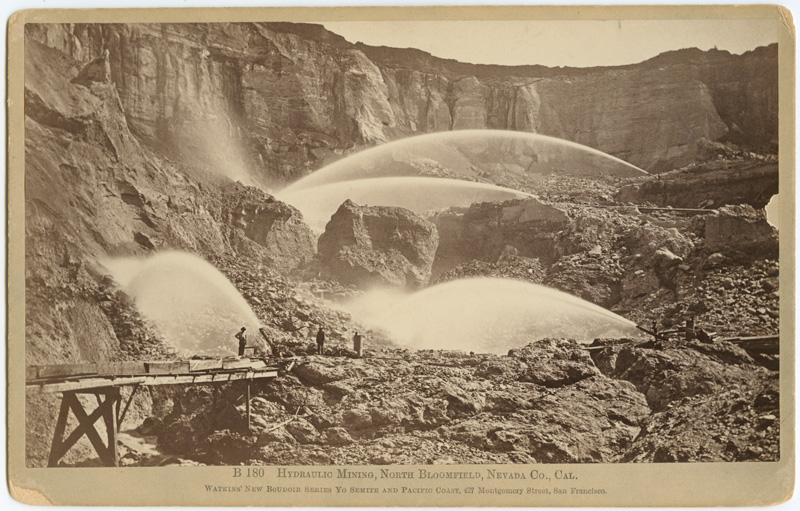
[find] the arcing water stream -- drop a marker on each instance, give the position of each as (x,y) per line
(198,310)
(194,306)
(485,315)
(467,154)
(419,194)
(401,173)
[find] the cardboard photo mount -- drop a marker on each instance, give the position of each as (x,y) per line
(668,484)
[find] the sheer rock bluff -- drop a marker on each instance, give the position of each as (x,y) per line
(292,96)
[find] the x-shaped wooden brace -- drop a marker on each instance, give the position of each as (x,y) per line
(107,409)
(231,397)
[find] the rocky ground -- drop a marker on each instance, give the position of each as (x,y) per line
(552,401)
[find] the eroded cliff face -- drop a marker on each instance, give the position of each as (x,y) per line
(274,101)
(93,191)
(713,184)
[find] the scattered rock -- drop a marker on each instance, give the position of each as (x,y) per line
(338,436)
(96,71)
(143,240)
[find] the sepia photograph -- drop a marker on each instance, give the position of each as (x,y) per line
(403,249)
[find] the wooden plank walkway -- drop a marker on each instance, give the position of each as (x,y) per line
(71,377)
(88,383)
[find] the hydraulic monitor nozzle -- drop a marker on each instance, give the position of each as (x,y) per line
(655,334)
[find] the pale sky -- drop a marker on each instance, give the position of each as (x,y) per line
(559,42)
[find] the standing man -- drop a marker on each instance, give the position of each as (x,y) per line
(357,345)
(242,341)
(321,341)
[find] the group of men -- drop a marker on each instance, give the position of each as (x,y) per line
(357,344)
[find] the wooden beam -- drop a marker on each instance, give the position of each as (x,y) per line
(121,417)
(167,367)
(242,363)
(247,404)
(62,370)
(121,368)
(63,446)
(204,365)
(154,379)
(86,426)
(110,418)
(58,435)
(94,437)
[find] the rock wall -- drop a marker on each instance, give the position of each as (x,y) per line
(93,191)
(282,240)
(484,230)
(741,230)
(707,186)
(276,100)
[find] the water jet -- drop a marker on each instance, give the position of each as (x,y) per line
(194,306)
(485,315)
(419,194)
(470,154)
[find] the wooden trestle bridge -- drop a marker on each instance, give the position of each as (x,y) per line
(106,380)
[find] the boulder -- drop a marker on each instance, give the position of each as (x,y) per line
(378,246)
(338,436)
(741,229)
(280,435)
(391,411)
(597,279)
(303,431)
(665,258)
(461,402)
(668,372)
(737,423)
(357,418)
(554,362)
(97,70)
(272,230)
(508,266)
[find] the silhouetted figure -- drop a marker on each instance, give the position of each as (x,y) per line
(321,341)
(242,341)
(357,347)
(689,330)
